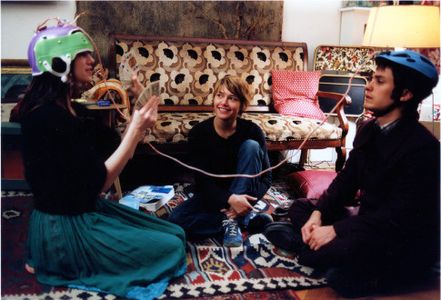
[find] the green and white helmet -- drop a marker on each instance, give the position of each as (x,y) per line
(63,41)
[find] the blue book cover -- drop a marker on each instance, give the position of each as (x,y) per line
(151,197)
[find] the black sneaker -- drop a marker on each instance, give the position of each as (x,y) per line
(281,211)
(255,222)
(283,236)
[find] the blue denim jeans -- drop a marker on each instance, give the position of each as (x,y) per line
(199,223)
(250,161)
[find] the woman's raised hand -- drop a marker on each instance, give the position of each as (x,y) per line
(136,86)
(145,117)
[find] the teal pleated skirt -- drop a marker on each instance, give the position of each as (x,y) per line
(116,249)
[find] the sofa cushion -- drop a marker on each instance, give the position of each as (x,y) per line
(294,93)
(173,127)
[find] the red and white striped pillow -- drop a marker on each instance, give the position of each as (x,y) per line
(294,93)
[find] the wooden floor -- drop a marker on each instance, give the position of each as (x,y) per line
(431,291)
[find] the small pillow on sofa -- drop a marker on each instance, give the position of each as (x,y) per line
(294,93)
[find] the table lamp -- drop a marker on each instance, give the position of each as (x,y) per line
(403,26)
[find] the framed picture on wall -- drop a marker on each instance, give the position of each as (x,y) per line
(15,77)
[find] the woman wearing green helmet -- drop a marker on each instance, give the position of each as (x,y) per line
(76,239)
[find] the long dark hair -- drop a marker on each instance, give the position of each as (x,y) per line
(48,88)
(43,89)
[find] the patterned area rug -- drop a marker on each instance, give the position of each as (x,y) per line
(257,266)
(257,270)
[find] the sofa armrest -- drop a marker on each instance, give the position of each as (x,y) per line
(339,110)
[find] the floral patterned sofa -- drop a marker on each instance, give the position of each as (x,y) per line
(188,68)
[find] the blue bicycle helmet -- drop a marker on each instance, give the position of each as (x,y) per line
(412,60)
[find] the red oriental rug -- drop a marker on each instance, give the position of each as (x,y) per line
(257,270)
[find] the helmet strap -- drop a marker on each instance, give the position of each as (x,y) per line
(63,75)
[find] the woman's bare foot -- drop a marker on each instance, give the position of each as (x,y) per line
(29,269)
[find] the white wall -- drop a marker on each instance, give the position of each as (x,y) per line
(316,22)
(19,21)
(353,22)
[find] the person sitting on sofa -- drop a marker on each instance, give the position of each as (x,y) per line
(226,144)
(395,165)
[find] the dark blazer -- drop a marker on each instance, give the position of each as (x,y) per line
(398,174)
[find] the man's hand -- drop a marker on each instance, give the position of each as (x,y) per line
(315,220)
(240,204)
(321,236)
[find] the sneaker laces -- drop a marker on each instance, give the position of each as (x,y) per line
(231,227)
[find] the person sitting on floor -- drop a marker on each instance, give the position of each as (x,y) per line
(226,144)
(76,239)
(395,165)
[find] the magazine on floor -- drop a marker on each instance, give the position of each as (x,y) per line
(150,197)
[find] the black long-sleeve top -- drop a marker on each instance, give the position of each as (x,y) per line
(64,159)
(218,155)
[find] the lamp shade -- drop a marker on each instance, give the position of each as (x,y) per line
(406,26)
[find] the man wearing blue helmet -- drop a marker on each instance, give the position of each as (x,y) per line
(394,240)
